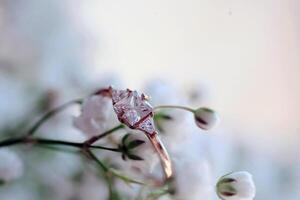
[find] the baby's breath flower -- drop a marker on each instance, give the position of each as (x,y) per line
(95,115)
(236,186)
(205,118)
(11,166)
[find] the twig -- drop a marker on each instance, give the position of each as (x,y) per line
(45,117)
(174,107)
(38,141)
(106,133)
(12,141)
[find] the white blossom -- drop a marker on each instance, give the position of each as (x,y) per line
(11,166)
(236,186)
(95,116)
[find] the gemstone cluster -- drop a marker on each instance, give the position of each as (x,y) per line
(133,109)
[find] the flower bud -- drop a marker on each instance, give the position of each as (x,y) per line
(11,166)
(205,118)
(236,186)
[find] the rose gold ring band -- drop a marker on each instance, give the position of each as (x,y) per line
(162,153)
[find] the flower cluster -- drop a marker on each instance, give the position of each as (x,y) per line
(133,136)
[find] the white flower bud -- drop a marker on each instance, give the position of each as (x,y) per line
(11,166)
(236,186)
(94,116)
(205,118)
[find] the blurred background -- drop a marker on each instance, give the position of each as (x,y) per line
(240,57)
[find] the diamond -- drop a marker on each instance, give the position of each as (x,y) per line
(117,95)
(147,125)
(131,117)
(145,109)
(131,108)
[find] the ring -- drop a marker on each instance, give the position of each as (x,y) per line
(134,110)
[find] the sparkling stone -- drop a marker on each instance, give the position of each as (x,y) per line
(130,106)
(117,95)
(144,109)
(121,106)
(147,125)
(131,116)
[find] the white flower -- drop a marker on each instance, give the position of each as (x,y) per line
(95,115)
(11,166)
(236,186)
(205,118)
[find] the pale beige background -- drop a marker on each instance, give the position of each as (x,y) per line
(246,51)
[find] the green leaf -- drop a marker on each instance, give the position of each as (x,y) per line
(163,116)
(124,139)
(135,143)
(166,117)
(134,157)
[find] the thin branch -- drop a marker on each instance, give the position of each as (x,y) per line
(12,141)
(40,141)
(45,117)
(106,133)
(55,148)
(107,176)
(93,157)
(174,106)
(73,144)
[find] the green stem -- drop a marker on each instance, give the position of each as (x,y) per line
(12,141)
(45,117)
(106,133)
(24,140)
(105,169)
(93,157)
(174,106)
(55,148)
(73,144)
